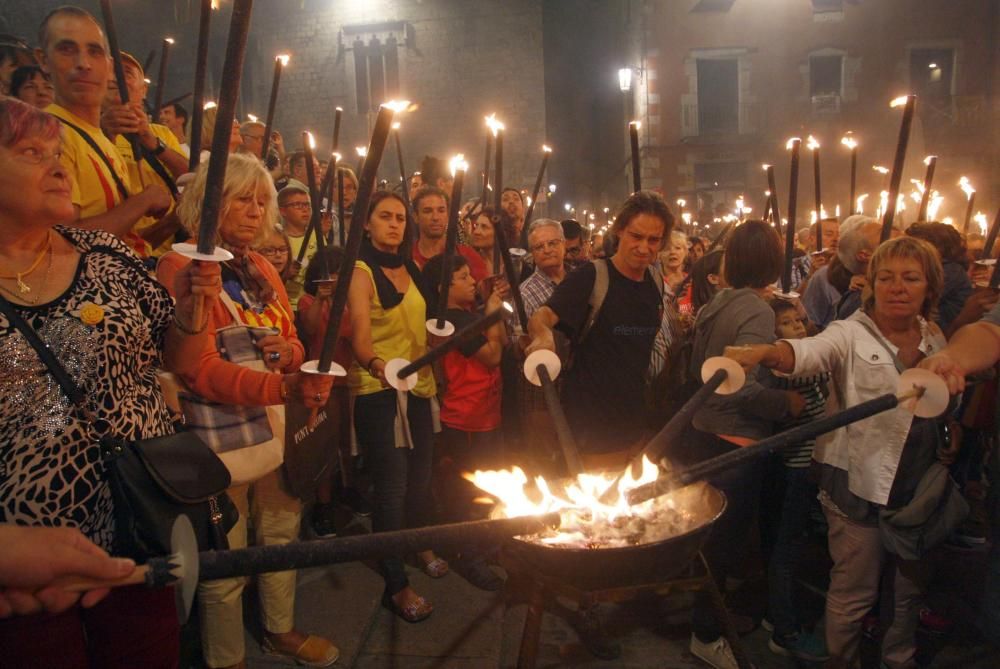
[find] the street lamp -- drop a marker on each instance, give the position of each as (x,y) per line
(625,79)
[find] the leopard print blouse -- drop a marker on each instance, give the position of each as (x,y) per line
(107,329)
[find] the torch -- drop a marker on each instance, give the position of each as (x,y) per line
(920,391)
(851,143)
(633,138)
(490,133)
(366,186)
(362,152)
(161,79)
(925,195)
(206,250)
(546,150)
(793,198)
(541,368)
(813,144)
(440,326)
(496,127)
(309,145)
(909,103)
(280,63)
(970,194)
(201,65)
(773,188)
(116,58)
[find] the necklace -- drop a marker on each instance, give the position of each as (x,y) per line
(41,286)
(22,287)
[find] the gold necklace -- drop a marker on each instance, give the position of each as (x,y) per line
(41,287)
(22,287)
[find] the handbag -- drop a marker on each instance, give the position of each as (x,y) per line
(935,510)
(152,481)
(250,440)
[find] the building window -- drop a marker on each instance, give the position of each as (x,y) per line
(826,75)
(931,72)
(718,96)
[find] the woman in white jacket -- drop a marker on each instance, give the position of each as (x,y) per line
(874,463)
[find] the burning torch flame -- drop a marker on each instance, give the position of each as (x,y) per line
(311,140)
(637,124)
(284,58)
(918,184)
(849,142)
(966,187)
(680,203)
(337,157)
(253,119)
(980,219)
(880,169)
(397,125)
(883,201)
(934,205)
(928,159)
(169,40)
(546,148)
(764,166)
(687,217)
(209,105)
(493,124)
(362,151)
(812,143)
(861,202)
(458,162)
(399,106)
(900,101)
(791,142)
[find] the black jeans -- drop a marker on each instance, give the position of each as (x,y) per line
(460,453)
(402,476)
(727,541)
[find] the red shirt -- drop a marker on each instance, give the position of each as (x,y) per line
(477,268)
(471,399)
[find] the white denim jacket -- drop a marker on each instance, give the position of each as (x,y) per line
(869,450)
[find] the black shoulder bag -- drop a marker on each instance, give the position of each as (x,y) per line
(152,480)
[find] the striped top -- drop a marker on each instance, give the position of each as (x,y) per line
(811,389)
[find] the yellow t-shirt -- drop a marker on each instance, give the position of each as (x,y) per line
(142,175)
(93,188)
(295,286)
(400,332)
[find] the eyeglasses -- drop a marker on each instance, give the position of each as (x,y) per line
(273,250)
(551,244)
(33,156)
(301,206)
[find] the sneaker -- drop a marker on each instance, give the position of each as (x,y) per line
(934,622)
(323,524)
(809,647)
(715,653)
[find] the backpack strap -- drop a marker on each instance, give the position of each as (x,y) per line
(596,300)
(122,191)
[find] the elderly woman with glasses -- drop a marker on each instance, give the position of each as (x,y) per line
(253,294)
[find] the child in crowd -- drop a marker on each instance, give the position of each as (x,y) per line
(470,390)
(791,496)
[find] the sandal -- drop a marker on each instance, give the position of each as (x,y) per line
(315,651)
(436,568)
(417,610)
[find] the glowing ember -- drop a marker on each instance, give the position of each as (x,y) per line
(587,522)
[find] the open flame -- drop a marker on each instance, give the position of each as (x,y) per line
(929,159)
(680,203)
(362,151)
(457,163)
(311,140)
(792,142)
(849,141)
(812,143)
(687,217)
(493,124)
(966,187)
(546,148)
(169,40)
(934,205)
(880,169)
(399,106)
(900,101)
(587,522)
(860,206)
(980,219)
(253,119)
(284,58)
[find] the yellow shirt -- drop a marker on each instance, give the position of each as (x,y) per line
(93,188)
(142,175)
(400,332)
(295,286)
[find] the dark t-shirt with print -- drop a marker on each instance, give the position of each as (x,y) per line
(603,390)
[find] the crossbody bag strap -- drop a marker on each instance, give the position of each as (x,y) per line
(161,171)
(122,191)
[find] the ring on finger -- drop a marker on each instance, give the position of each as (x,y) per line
(274,356)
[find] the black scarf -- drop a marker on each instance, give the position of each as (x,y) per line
(376,260)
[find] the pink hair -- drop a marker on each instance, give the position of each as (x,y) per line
(19,120)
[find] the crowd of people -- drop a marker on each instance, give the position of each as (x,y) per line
(154,338)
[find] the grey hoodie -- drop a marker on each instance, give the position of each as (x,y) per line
(737,317)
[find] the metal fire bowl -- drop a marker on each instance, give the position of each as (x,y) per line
(608,568)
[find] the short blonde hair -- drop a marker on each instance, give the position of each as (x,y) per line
(244,174)
(908,248)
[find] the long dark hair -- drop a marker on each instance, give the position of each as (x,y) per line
(702,290)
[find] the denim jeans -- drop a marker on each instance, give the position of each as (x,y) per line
(402,476)
(791,521)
